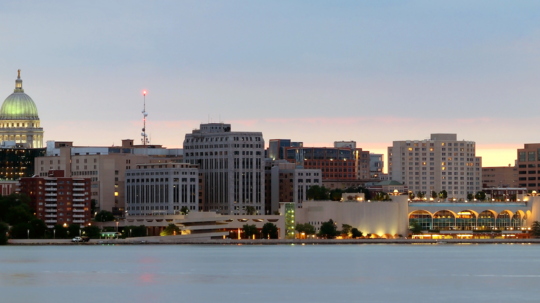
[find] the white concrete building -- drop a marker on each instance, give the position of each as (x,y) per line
(439,163)
(232,164)
(162,188)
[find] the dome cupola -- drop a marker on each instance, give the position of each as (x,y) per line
(19,106)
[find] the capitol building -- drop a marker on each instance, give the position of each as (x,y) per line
(19,120)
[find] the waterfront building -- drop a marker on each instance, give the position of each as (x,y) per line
(162,188)
(501,176)
(528,164)
(232,164)
(19,120)
(287,182)
(104,165)
(436,164)
(57,199)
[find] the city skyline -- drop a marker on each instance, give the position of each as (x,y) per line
(369,72)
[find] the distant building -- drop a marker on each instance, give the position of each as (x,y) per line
(500,176)
(285,182)
(276,148)
(388,187)
(376,165)
(336,163)
(57,199)
(439,163)
(232,164)
(162,188)
(528,164)
(349,144)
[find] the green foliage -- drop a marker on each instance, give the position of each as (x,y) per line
(104,216)
(328,230)
(38,229)
(20,230)
(420,195)
(74,230)
(19,214)
(317,192)
(134,231)
(381,196)
(3,235)
(434,194)
(411,195)
(470,197)
(346,229)
(276,212)
(355,233)
(249,231)
(336,194)
(443,194)
(480,196)
(535,229)
(92,232)
(61,232)
(250,210)
(415,227)
(269,230)
(184,210)
(306,228)
(170,230)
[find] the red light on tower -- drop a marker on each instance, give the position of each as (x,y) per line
(144,92)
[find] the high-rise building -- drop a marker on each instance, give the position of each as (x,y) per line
(376,165)
(335,163)
(276,148)
(500,176)
(19,120)
(232,164)
(528,164)
(105,166)
(439,163)
(57,199)
(162,188)
(286,182)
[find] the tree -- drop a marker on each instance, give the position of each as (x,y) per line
(170,230)
(104,216)
(135,231)
(38,228)
(336,194)
(434,194)
(420,194)
(411,195)
(250,210)
(470,196)
(19,214)
(249,231)
(306,228)
(317,192)
(443,194)
(20,230)
(92,232)
(61,232)
(415,227)
(269,230)
(74,230)
(3,235)
(355,233)
(346,229)
(93,204)
(328,230)
(480,196)
(535,229)
(381,196)
(184,210)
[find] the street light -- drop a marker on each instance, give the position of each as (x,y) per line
(28,231)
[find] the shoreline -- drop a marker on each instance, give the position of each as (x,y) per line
(132,241)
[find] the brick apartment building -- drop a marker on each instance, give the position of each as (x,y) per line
(528,165)
(57,199)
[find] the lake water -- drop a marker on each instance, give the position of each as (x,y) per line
(281,273)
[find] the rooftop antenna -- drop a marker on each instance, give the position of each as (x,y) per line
(144,136)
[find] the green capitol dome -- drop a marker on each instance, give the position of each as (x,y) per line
(19,106)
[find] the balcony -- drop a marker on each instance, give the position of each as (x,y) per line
(50,188)
(51,221)
(78,205)
(50,205)
(78,195)
(78,200)
(79,184)
(78,221)
(78,216)
(50,210)
(51,194)
(50,216)
(78,189)
(78,210)
(50,183)
(50,226)
(51,200)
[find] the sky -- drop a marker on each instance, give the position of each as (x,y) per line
(312,71)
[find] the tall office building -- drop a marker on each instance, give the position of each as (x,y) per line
(276,148)
(232,164)
(439,163)
(376,165)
